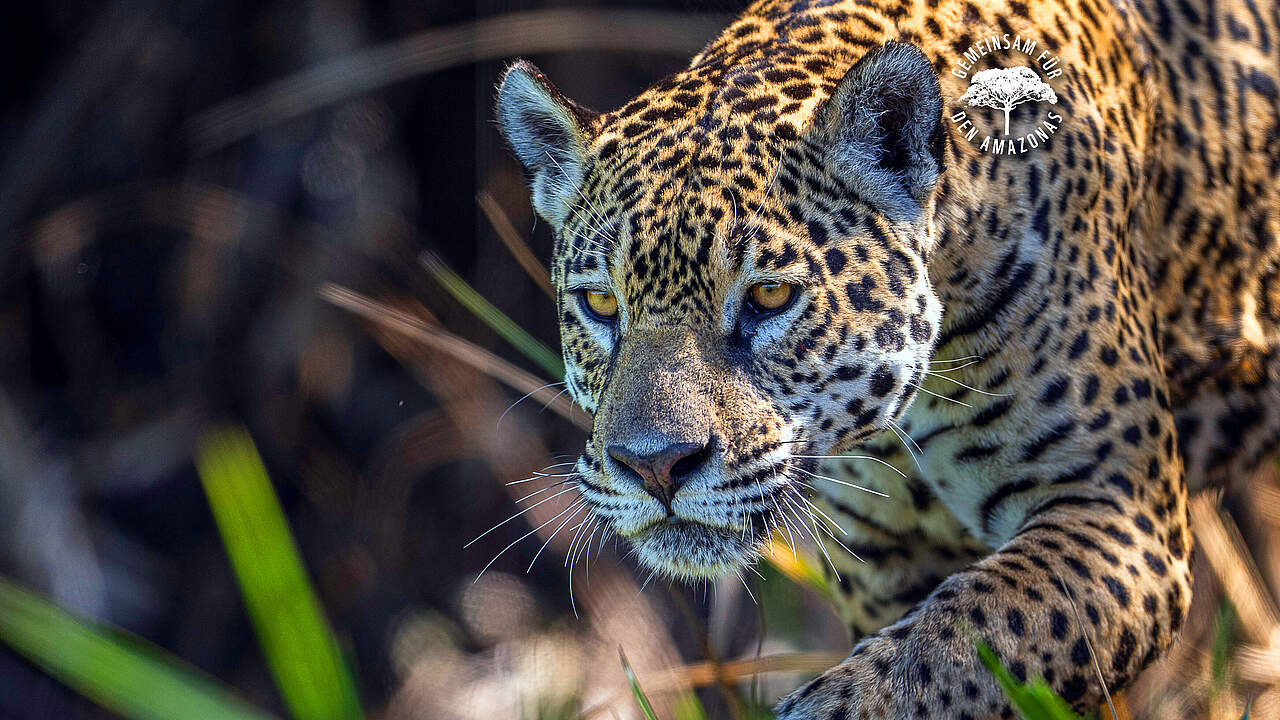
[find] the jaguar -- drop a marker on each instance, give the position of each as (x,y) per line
(799,299)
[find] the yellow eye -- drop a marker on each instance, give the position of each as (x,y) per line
(767,296)
(601,302)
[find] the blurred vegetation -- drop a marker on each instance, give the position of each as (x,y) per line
(295,222)
(128,676)
(299,646)
(1034,700)
(115,669)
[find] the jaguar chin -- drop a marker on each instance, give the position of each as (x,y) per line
(690,550)
(695,518)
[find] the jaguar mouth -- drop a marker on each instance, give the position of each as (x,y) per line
(688,549)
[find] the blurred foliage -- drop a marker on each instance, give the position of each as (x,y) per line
(117,670)
(508,330)
(688,708)
(137,680)
(1035,700)
(799,566)
(1223,639)
(299,646)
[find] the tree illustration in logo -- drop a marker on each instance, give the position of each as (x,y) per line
(1006,88)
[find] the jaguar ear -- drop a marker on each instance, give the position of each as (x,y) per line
(883,126)
(547,132)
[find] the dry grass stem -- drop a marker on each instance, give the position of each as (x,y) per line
(1233,565)
(704,674)
(514,243)
(456,347)
(503,36)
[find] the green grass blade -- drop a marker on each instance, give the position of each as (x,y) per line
(689,708)
(116,670)
(505,327)
(298,644)
(1223,632)
(641,699)
(1035,700)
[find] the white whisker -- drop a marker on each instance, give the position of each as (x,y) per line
(549,539)
(574,461)
(647,580)
(787,523)
(829,534)
(844,547)
(604,536)
(967,387)
(547,404)
(953,369)
(842,482)
(975,358)
(825,554)
(572,559)
(746,524)
(537,475)
(799,512)
(772,518)
(576,504)
(825,516)
(543,473)
(744,586)
(513,517)
(578,530)
(540,491)
(852,457)
(904,437)
(940,397)
(522,399)
(586,558)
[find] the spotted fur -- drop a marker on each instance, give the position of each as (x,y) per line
(1117,290)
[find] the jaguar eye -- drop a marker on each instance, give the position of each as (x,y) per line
(601,303)
(770,297)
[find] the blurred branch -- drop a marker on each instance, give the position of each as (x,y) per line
(462,350)
(206,212)
(707,673)
(1259,664)
(518,33)
(514,243)
(1233,565)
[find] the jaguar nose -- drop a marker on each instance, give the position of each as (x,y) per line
(663,472)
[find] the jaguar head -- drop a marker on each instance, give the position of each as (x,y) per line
(740,260)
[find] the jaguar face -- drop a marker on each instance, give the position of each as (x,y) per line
(740,294)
